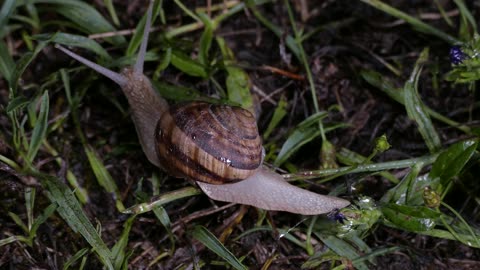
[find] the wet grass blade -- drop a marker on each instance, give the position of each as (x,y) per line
(416,23)
(289,40)
(103,176)
(71,211)
(7,9)
(137,36)
(75,41)
(468,24)
(81,254)
(376,79)
(305,132)
(211,242)
(119,255)
(188,65)
(205,39)
(238,82)
(85,17)
(162,199)
(279,113)
(111,11)
(451,162)
(22,64)
(40,129)
(343,248)
(416,109)
(6,62)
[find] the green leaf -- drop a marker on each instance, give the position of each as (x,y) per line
(72,260)
(136,39)
(342,248)
(75,41)
(22,64)
(238,82)
(467,20)
(416,23)
(279,113)
(18,221)
(188,65)
(450,162)
(40,129)
(205,39)
(85,17)
(211,242)
(118,250)
(303,133)
(278,31)
(162,65)
(411,218)
(7,9)
(48,212)
(17,103)
(103,176)
(111,11)
(416,110)
(6,62)
(408,191)
(377,80)
(71,211)
(29,205)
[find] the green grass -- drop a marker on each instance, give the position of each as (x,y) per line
(89,194)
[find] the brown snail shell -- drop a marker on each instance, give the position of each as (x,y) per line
(210,143)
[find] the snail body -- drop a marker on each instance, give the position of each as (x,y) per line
(217,146)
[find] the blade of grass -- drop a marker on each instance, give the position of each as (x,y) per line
(40,130)
(342,248)
(289,40)
(305,132)
(467,20)
(279,113)
(416,109)
(111,11)
(118,250)
(370,256)
(137,36)
(238,81)
(104,178)
(29,205)
(75,41)
(163,199)
(6,62)
(22,64)
(380,166)
(416,23)
(211,242)
(377,80)
(349,157)
(85,17)
(80,191)
(77,256)
(71,211)
(205,39)
(7,9)
(462,220)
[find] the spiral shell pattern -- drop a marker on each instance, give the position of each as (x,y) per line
(210,143)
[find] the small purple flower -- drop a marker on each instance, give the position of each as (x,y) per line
(337,216)
(456,55)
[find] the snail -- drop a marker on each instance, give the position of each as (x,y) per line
(216,146)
